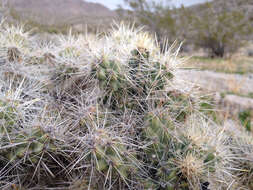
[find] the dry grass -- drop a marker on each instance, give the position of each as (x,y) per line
(236,64)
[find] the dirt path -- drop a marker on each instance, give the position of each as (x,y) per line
(219,82)
(237,89)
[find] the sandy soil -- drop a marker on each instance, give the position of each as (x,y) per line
(219,82)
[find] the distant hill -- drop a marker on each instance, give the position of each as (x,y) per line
(60,12)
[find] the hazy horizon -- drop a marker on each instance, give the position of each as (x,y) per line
(113,4)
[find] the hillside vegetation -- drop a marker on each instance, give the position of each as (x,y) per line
(109,112)
(220,27)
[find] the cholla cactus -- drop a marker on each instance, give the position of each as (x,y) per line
(242,148)
(183,160)
(106,112)
(111,154)
(15,41)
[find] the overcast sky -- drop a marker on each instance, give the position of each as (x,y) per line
(112,4)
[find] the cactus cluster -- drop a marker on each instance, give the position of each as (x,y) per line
(107,112)
(30,145)
(242,145)
(180,162)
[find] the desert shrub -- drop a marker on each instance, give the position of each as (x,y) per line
(157,16)
(108,113)
(221,30)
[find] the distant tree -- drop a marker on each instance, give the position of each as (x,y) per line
(219,29)
(183,23)
(218,26)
